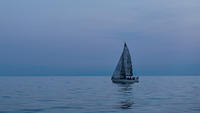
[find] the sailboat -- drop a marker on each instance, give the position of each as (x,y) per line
(123,72)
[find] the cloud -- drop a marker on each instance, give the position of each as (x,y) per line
(79,36)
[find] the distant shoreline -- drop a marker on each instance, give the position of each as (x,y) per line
(83,75)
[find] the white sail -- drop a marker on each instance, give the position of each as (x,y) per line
(124,66)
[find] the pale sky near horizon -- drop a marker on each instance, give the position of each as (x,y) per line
(85,37)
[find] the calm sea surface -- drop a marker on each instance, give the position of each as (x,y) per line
(153,94)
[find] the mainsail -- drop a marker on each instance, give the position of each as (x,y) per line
(124,66)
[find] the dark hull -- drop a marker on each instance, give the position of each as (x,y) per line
(125,81)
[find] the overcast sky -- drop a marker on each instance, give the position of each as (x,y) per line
(85,37)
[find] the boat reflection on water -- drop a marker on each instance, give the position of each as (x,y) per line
(126,104)
(125,96)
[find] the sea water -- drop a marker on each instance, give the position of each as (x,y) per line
(97,94)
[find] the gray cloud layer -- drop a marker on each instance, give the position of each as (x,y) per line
(85,37)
